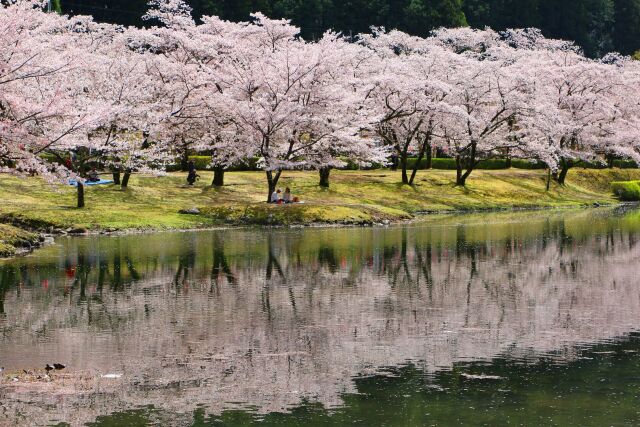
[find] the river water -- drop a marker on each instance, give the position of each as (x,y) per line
(490,319)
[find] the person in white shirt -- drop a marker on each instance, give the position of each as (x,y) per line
(275,196)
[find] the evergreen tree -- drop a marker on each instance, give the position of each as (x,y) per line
(627,28)
(421,16)
(599,26)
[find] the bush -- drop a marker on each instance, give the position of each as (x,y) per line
(591,165)
(204,163)
(442,163)
(527,164)
(490,164)
(628,191)
(625,164)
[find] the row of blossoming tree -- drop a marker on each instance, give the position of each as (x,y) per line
(74,92)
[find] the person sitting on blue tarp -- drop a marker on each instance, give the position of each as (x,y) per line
(93,175)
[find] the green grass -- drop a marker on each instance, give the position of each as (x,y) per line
(354,197)
(627,190)
(12,238)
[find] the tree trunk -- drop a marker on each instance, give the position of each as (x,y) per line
(324,177)
(184,159)
(610,160)
(414,171)
(403,166)
(458,170)
(426,147)
(80,195)
(394,162)
(549,179)
(462,180)
(562,176)
(116,178)
(430,157)
(272,180)
(218,177)
(468,164)
(125,179)
(508,163)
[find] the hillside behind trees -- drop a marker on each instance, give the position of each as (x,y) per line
(599,26)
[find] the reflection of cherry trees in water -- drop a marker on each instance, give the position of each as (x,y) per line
(270,318)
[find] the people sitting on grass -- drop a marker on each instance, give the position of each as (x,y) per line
(276,196)
(287,198)
(93,175)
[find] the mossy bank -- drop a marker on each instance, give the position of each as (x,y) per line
(355,197)
(14,240)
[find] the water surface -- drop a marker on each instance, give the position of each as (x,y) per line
(486,319)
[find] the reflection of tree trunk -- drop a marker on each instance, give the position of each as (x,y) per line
(102,272)
(403,254)
(402,262)
(117,271)
(2,293)
(292,299)
(186,263)
(425,266)
(177,281)
(82,276)
(461,241)
(472,274)
(272,262)
(132,269)
(327,256)
(220,264)
(266,301)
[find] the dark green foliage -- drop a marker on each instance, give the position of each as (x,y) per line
(491,164)
(204,163)
(627,190)
(625,164)
(527,164)
(627,26)
(599,26)
(591,23)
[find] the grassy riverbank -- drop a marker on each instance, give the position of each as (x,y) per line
(354,197)
(13,239)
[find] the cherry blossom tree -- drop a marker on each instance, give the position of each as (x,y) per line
(487,97)
(576,110)
(287,100)
(134,99)
(35,92)
(408,94)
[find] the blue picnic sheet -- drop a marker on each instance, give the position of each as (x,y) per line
(101,182)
